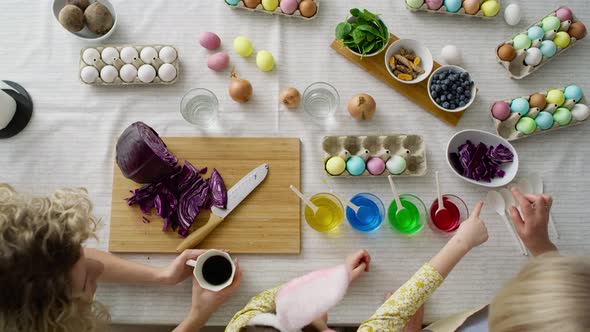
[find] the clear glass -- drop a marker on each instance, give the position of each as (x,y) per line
(330,212)
(414,217)
(458,212)
(320,100)
(370,214)
(200,107)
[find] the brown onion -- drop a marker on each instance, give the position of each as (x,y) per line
(239,90)
(362,106)
(290,97)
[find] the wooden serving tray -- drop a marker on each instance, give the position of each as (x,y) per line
(418,93)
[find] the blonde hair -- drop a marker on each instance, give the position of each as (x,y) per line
(40,241)
(551,293)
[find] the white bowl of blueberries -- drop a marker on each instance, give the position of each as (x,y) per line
(451,89)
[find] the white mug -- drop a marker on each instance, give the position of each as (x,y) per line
(198,269)
(7,109)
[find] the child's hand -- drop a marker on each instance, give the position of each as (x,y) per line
(473,231)
(358,263)
(178,271)
(533,228)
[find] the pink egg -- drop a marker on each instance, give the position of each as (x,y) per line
(564,14)
(218,61)
(434,4)
(376,166)
(209,40)
(501,110)
(289,6)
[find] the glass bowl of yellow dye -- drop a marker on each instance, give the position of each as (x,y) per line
(329,214)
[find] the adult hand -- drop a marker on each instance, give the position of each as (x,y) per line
(357,263)
(473,231)
(532,226)
(178,271)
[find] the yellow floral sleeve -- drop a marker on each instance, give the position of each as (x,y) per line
(259,304)
(395,313)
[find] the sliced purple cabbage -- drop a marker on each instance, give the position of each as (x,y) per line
(480,162)
(218,192)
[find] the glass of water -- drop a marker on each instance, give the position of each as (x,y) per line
(199,107)
(320,100)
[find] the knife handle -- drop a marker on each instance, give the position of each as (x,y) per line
(200,234)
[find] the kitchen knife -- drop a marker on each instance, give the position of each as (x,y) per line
(235,196)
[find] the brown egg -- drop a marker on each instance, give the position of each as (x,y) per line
(471,6)
(538,100)
(506,52)
(577,30)
(307,8)
(251,3)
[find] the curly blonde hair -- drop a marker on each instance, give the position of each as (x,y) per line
(40,241)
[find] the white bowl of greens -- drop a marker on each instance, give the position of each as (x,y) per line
(363,33)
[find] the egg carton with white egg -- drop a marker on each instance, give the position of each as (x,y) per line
(283,7)
(470,8)
(353,156)
(539,112)
(129,65)
(529,50)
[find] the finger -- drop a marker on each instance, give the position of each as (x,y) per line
(548,200)
(524,203)
(516,219)
(388,295)
(359,270)
(368,262)
(536,199)
(477,209)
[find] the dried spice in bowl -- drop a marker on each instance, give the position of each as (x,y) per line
(406,65)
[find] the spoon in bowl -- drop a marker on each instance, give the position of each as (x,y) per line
(496,202)
(442,215)
(401,212)
(318,212)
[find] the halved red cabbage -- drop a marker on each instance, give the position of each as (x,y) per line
(218,192)
(479,162)
(142,156)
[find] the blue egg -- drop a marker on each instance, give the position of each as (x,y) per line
(548,48)
(544,120)
(519,105)
(573,92)
(452,6)
(232,2)
(355,165)
(536,32)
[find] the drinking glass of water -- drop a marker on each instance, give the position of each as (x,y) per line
(320,100)
(199,107)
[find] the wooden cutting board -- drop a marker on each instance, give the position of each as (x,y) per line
(267,221)
(418,93)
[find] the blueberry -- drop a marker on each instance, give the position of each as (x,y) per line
(454,87)
(434,94)
(443,98)
(471,83)
(449,96)
(467,93)
(464,75)
(447,81)
(437,100)
(462,97)
(462,103)
(460,89)
(453,106)
(432,87)
(437,88)
(443,87)
(442,76)
(445,105)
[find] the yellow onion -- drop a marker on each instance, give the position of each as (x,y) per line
(240,90)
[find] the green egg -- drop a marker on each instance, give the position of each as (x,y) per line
(550,23)
(562,116)
(526,125)
(521,42)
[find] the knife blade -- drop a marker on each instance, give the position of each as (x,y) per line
(236,194)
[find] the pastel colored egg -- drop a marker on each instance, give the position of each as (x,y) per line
(573,92)
(289,6)
(232,2)
(355,165)
(109,73)
(537,101)
(535,32)
(506,52)
(512,14)
(376,166)
(533,56)
(471,7)
(452,6)
(146,73)
(580,112)
(577,30)
(335,165)
(243,46)
(396,165)
(218,61)
(555,97)
(415,3)
(209,40)
(519,105)
(490,8)
(265,60)
(564,14)
(548,48)
(562,116)
(434,4)
(526,125)
(501,110)
(89,74)
(270,5)
(544,120)
(521,42)
(550,23)
(562,39)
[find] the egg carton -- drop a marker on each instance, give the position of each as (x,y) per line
(443,10)
(137,62)
(516,68)
(277,11)
(507,128)
(410,147)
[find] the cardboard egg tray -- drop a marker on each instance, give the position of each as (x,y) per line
(507,128)
(137,63)
(277,11)
(443,10)
(516,68)
(410,147)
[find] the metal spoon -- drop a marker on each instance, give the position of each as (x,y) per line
(496,202)
(537,183)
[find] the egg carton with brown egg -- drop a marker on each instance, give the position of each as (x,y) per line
(572,112)
(306,9)
(401,155)
(465,10)
(129,65)
(521,62)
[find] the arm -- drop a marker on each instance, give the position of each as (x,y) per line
(260,304)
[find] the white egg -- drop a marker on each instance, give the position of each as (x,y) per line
(168,54)
(89,74)
(109,73)
(533,56)
(129,54)
(128,73)
(452,55)
(90,56)
(396,165)
(148,54)
(146,73)
(109,55)
(167,72)
(512,14)
(580,112)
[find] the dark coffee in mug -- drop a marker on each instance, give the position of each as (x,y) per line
(217,270)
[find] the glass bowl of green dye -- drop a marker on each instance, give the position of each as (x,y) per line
(409,220)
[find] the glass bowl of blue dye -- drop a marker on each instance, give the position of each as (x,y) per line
(370,214)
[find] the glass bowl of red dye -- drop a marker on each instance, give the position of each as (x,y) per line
(448,223)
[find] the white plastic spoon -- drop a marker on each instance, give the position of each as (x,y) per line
(402,213)
(496,202)
(508,202)
(304,199)
(537,183)
(442,215)
(346,202)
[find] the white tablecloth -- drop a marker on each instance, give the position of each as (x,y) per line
(70,140)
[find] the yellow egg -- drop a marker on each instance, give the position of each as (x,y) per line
(265,60)
(335,165)
(243,46)
(270,5)
(490,8)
